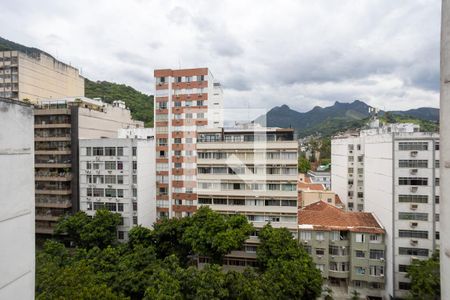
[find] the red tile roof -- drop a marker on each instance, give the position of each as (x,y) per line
(323,216)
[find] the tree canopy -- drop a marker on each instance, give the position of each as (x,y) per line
(160,263)
(425,278)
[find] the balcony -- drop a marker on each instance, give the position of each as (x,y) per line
(54,204)
(338,274)
(52,176)
(53,192)
(52,125)
(52,111)
(56,138)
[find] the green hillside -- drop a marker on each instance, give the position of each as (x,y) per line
(141,105)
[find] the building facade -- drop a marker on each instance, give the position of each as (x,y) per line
(118,174)
(320,177)
(185,100)
(401,186)
(35,76)
(348,248)
(17,253)
(59,125)
(251,172)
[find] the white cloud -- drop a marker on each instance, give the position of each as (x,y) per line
(300,53)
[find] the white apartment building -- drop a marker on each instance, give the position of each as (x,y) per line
(118,174)
(17,250)
(250,171)
(185,100)
(396,171)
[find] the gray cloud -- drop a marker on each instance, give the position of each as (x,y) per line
(303,53)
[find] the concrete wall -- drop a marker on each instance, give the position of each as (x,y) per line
(146,183)
(445,150)
(42,76)
(17,250)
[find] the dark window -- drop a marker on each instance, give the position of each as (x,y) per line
(404,285)
(413,163)
(413,181)
(413,251)
(418,146)
(413,216)
(419,234)
(413,198)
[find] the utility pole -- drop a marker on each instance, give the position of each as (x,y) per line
(445,151)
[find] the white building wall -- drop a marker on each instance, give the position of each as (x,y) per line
(146,183)
(17,250)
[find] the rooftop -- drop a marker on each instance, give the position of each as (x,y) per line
(323,216)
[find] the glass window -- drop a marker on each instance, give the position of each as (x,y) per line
(110,151)
(119,151)
(359,237)
(319,236)
(305,235)
(110,165)
(97,151)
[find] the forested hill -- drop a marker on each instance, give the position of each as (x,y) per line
(140,104)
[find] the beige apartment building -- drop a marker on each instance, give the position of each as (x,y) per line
(35,76)
(185,100)
(310,192)
(250,171)
(58,127)
(347,247)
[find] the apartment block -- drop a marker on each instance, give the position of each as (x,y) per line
(185,100)
(59,124)
(36,76)
(309,193)
(118,174)
(250,171)
(320,177)
(347,247)
(400,175)
(17,253)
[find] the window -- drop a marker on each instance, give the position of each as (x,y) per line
(376,254)
(413,181)
(360,254)
(119,165)
(135,179)
(418,234)
(334,236)
(403,268)
(134,165)
(134,149)
(135,220)
(320,251)
(119,206)
(120,193)
(413,251)
(404,286)
(119,179)
(119,151)
(436,181)
(96,192)
(110,206)
(333,250)
(359,238)
(413,198)
(436,163)
(375,238)
(360,270)
(110,151)
(188,140)
(177,141)
(319,236)
(121,235)
(88,165)
(413,163)
(89,205)
(376,270)
(418,146)
(110,179)
(413,216)
(110,165)
(436,199)
(97,151)
(134,206)
(88,151)
(134,192)
(305,235)
(320,267)
(110,192)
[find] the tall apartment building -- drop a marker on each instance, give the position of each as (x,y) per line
(348,247)
(399,169)
(250,171)
(59,125)
(118,174)
(17,253)
(185,100)
(35,76)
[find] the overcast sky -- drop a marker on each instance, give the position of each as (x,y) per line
(265,53)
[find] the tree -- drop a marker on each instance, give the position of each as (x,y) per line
(303,165)
(355,295)
(86,232)
(214,235)
(325,148)
(288,272)
(425,278)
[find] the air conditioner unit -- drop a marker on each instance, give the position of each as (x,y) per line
(109,185)
(413,224)
(414,189)
(305,241)
(414,153)
(97,158)
(382,258)
(88,171)
(414,242)
(413,171)
(414,206)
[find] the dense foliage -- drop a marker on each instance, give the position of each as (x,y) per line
(141,105)
(425,278)
(161,263)
(303,165)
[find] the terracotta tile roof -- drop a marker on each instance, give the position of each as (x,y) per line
(323,216)
(304,182)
